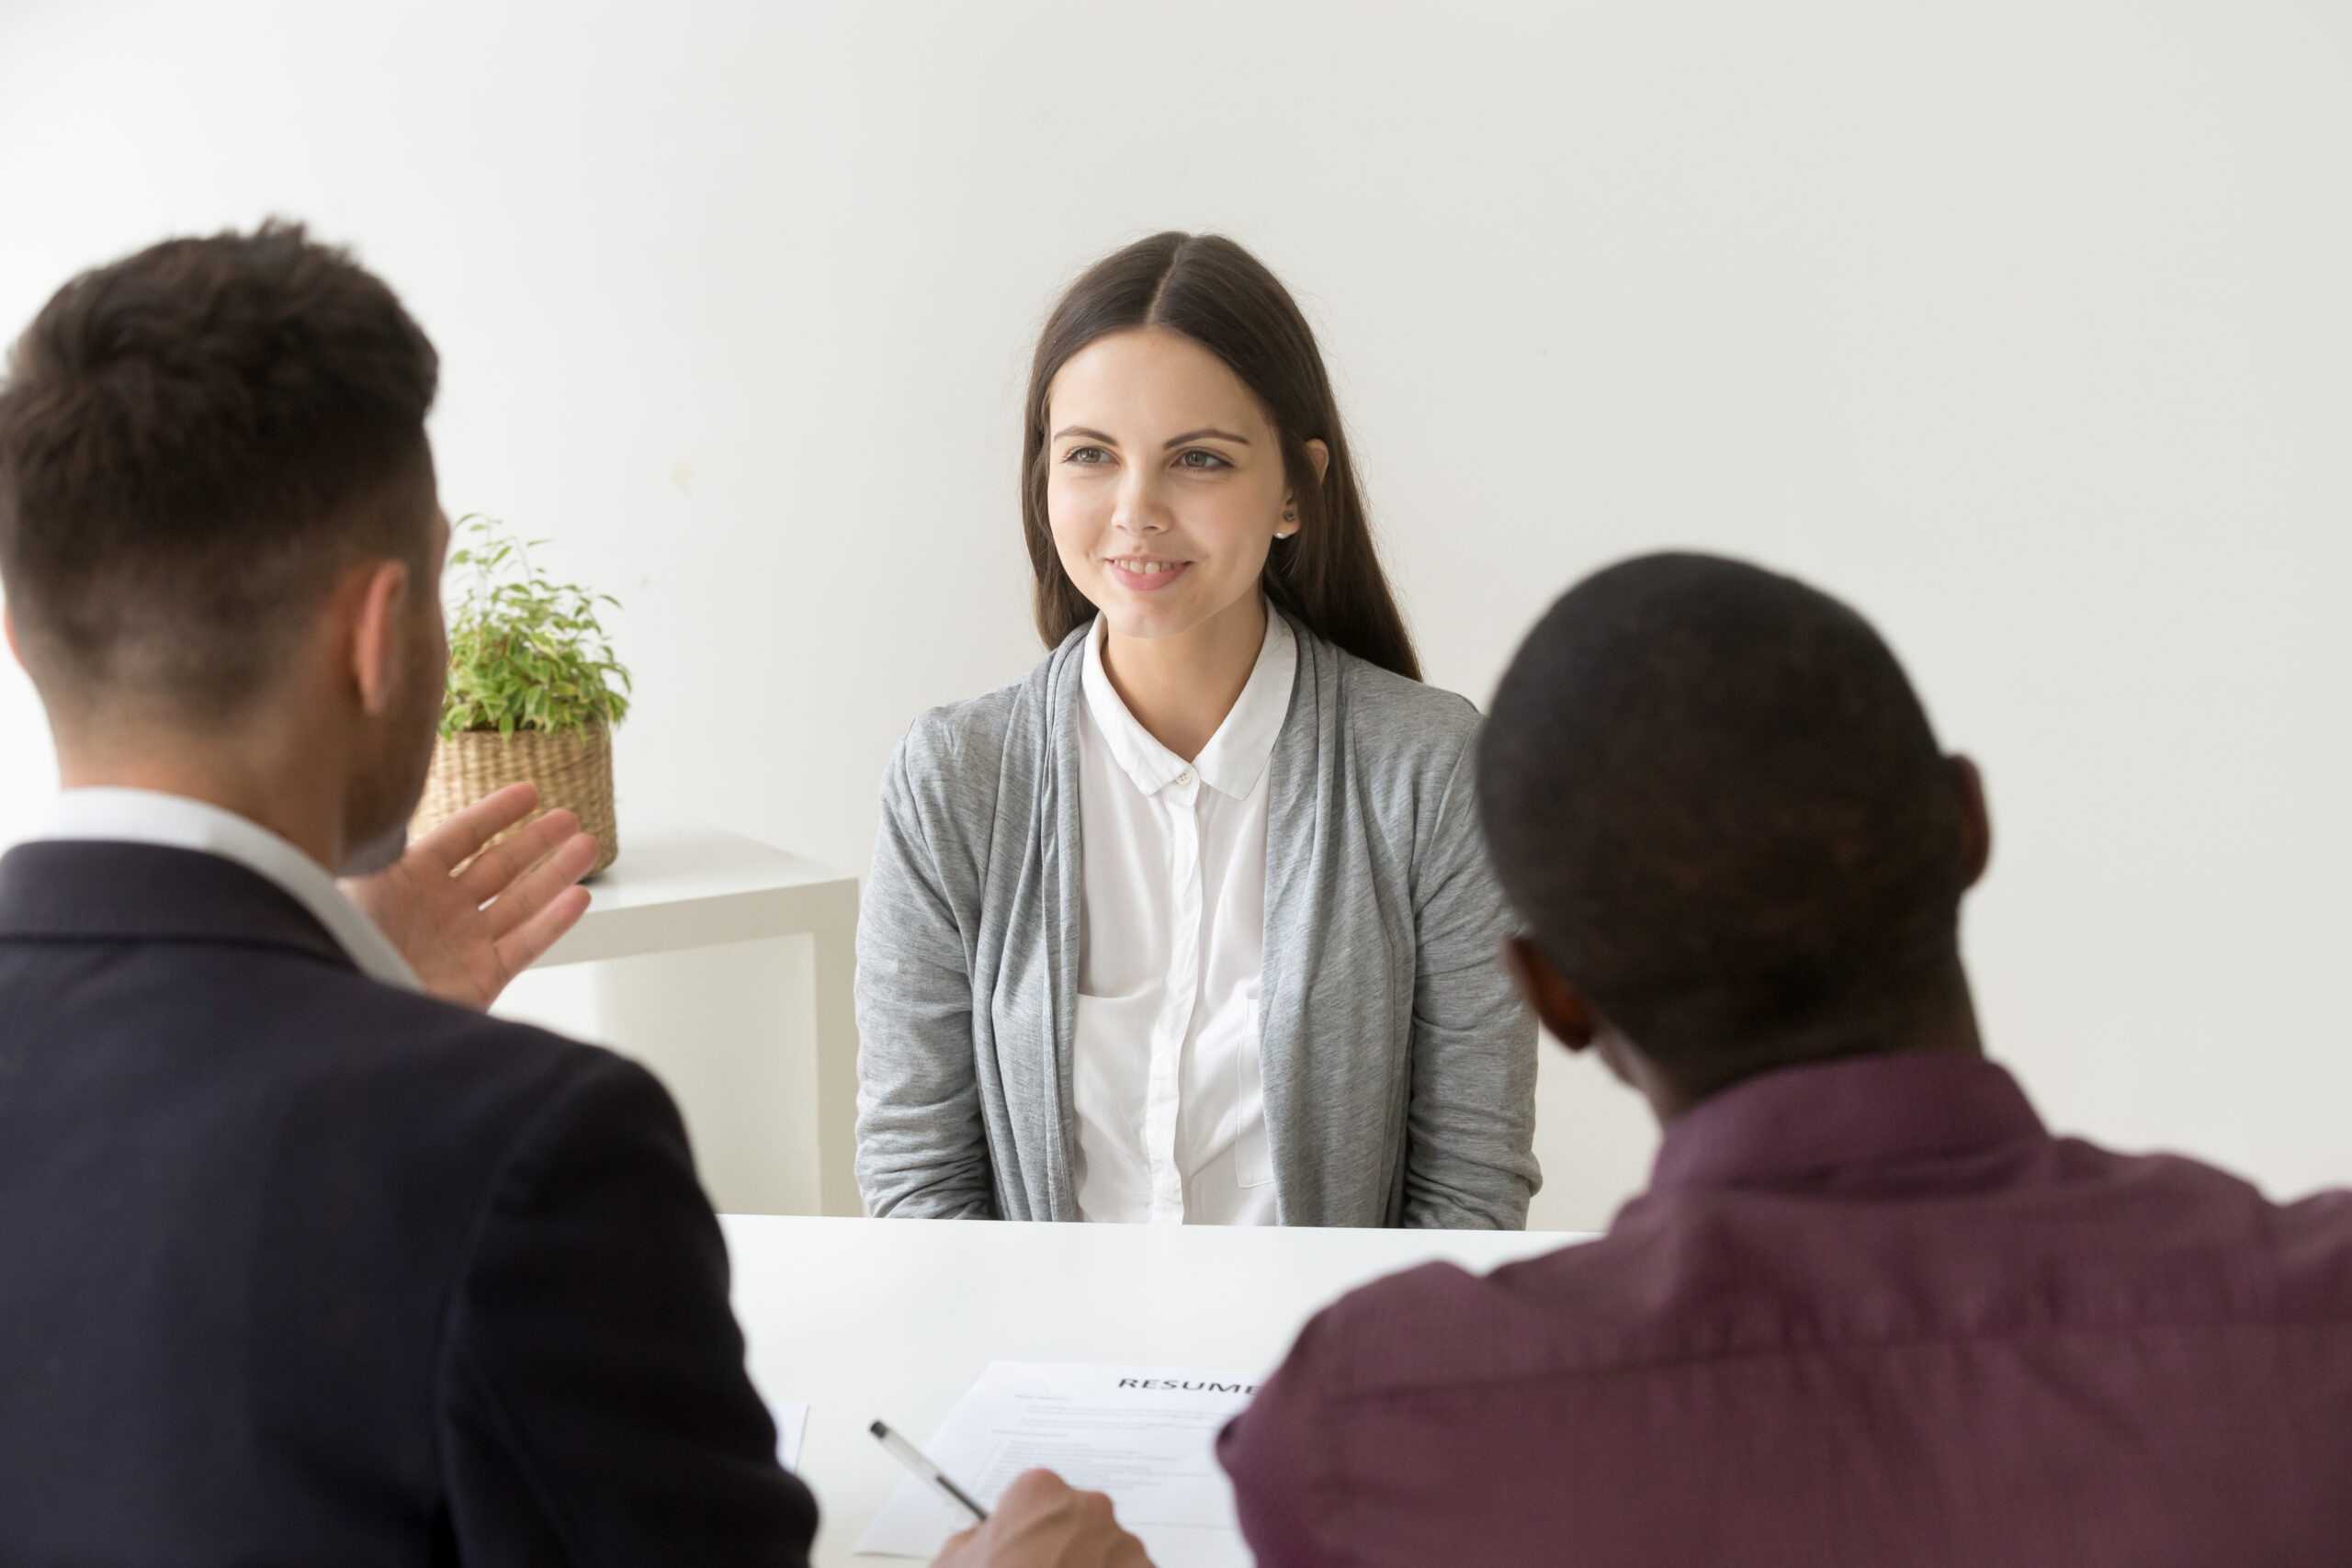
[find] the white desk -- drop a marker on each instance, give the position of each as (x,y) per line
(895,1318)
(727,966)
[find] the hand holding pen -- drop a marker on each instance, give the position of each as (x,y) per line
(919,1465)
(1040,1522)
(1043,1522)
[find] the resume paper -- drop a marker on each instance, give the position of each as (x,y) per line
(1144,1435)
(791,1421)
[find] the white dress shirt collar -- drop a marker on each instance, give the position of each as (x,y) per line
(1236,754)
(151,816)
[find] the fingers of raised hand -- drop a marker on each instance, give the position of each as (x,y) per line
(496,869)
(467,832)
(527,894)
(520,948)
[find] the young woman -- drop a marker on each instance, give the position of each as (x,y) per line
(1192,921)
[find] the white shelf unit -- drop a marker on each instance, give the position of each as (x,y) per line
(726,966)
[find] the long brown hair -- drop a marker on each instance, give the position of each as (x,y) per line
(1221,297)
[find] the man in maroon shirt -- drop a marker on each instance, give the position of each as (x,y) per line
(1869,1312)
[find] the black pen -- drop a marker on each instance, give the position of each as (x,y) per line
(916,1461)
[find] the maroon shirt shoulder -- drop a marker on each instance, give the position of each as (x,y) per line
(1868,1311)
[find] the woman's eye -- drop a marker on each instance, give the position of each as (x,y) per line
(1196,459)
(1086,457)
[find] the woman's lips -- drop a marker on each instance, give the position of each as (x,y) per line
(1147,582)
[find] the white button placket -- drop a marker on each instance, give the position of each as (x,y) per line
(1175,1021)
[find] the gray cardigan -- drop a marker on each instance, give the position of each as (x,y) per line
(1398,1064)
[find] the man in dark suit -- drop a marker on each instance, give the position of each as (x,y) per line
(297,1262)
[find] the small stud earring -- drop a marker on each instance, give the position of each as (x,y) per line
(1290,516)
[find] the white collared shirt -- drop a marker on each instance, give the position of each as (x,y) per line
(151,816)
(1171,1122)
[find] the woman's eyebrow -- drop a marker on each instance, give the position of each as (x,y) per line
(1211,433)
(1090,435)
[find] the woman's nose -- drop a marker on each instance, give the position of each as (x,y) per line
(1140,509)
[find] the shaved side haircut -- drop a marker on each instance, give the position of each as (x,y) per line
(194,441)
(1716,803)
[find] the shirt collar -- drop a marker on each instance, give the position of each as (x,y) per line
(1824,1118)
(1236,754)
(151,816)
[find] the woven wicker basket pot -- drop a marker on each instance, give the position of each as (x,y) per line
(572,768)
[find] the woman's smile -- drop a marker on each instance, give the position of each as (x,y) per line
(1145,574)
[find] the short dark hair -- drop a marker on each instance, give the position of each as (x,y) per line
(1716,803)
(1206,288)
(193,441)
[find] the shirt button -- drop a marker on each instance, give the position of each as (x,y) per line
(1184,778)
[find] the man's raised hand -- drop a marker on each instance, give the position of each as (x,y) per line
(468,932)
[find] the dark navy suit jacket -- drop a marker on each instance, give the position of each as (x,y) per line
(300,1269)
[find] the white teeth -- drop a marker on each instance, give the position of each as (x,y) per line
(1147,567)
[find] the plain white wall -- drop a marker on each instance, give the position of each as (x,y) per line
(2024,326)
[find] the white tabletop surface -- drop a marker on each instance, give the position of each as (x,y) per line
(896,1318)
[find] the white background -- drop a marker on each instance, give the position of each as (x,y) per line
(2027,327)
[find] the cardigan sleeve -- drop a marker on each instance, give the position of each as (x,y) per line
(1470,1123)
(921,1145)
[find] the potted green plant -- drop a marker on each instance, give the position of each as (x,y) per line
(533,689)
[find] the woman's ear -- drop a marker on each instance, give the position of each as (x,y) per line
(1320,455)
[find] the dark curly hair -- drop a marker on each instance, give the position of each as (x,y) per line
(193,441)
(1716,803)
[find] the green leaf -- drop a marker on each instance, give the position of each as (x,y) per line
(525,652)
